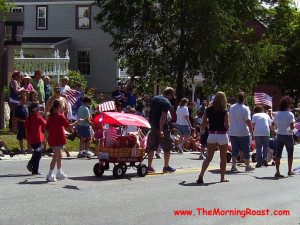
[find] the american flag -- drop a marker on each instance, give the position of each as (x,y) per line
(262,99)
(72,96)
(114,133)
(107,106)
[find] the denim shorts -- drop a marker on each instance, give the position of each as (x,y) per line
(84,131)
(288,142)
(183,129)
(220,139)
(240,143)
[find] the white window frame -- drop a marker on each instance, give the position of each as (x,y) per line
(45,17)
(17,9)
(90,61)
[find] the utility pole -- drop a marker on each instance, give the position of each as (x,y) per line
(11,30)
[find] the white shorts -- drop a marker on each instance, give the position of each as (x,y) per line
(220,139)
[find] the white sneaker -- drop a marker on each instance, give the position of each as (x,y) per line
(180,149)
(61,175)
(51,178)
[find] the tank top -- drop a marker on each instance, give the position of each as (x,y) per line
(12,93)
(216,119)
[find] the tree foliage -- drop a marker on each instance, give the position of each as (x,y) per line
(173,41)
(5,5)
(284,31)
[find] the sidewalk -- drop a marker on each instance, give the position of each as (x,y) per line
(28,156)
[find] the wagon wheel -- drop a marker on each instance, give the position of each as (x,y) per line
(124,166)
(118,171)
(142,170)
(254,157)
(97,170)
(228,157)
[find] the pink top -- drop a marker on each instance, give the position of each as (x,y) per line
(28,87)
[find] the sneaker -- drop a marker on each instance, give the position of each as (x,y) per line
(234,169)
(80,155)
(86,154)
(158,155)
(29,167)
(169,169)
(249,168)
(265,163)
(51,178)
(38,173)
(61,175)
(201,157)
(257,166)
(150,170)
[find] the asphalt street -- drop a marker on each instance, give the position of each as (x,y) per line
(86,199)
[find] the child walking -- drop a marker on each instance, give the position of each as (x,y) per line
(57,138)
(20,116)
(33,125)
(99,129)
(84,130)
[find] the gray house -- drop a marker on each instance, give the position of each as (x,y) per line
(68,25)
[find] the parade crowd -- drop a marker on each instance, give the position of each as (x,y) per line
(44,119)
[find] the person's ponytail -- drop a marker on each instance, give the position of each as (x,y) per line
(56,104)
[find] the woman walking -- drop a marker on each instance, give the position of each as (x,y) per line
(261,123)
(217,116)
(183,123)
(285,122)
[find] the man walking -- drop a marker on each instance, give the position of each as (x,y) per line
(160,132)
(240,129)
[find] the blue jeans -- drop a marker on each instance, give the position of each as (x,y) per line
(240,143)
(288,142)
(36,157)
(262,141)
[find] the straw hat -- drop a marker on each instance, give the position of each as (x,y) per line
(26,76)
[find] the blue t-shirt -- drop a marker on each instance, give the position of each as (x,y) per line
(159,104)
(48,92)
(21,113)
(83,113)
(131,100)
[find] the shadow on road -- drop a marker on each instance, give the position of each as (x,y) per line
(72,187)
(217,171)
(103,178)
(183,183)
(15,175)
(33,182)
(269,178)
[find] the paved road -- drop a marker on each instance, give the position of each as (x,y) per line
(86,199)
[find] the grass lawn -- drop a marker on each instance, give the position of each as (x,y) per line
(12,142)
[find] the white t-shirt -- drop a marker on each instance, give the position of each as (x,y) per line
(181,113)
(283,119)
(238,115)
(262,124)
(64,89)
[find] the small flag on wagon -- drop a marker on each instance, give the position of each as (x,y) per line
(107,106)
(72,96)
(262,99)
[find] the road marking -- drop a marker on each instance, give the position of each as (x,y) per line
(190,170)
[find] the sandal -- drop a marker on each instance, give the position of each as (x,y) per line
(291,173)
(200,180)
(278,175)
(225,180)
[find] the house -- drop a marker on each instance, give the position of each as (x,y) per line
(68,25)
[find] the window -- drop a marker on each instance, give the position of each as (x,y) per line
(83,17)
(41,17)
(84,62)
(17,9)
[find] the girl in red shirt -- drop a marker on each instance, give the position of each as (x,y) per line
(33,125)
(55,127)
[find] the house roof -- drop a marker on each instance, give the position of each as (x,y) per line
(45,42)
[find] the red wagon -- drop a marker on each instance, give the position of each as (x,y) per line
(122,158)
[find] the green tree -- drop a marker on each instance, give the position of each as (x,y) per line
(284,31)
(176,40)
(5,5)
